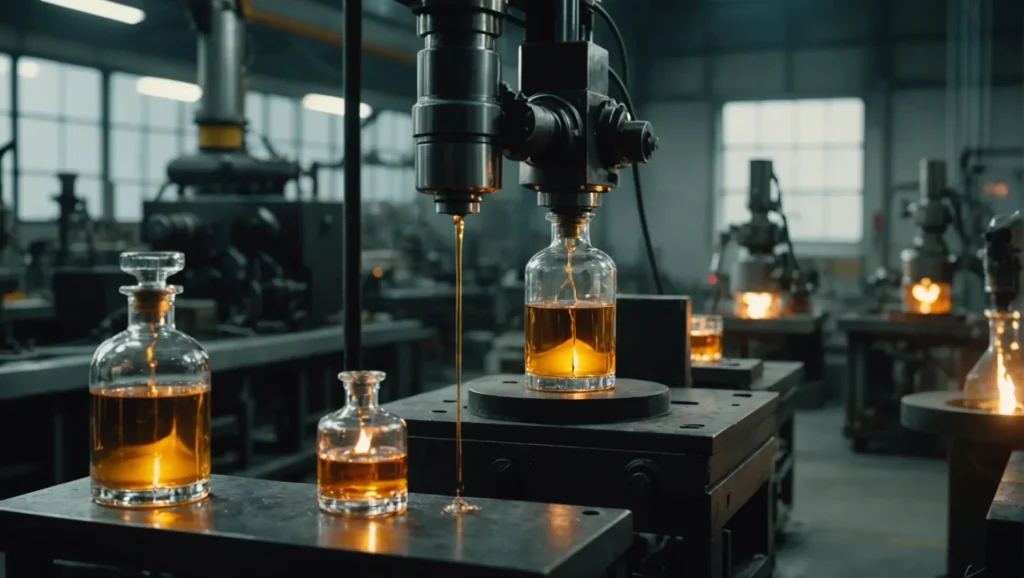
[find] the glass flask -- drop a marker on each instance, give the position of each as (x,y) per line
(150,399)
(996,382)
(757,305)
(926,297)
(706,338)
(361,453)
(570,311)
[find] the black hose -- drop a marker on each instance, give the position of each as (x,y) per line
(639,192)
(352,264)
(785,225)
(618,39)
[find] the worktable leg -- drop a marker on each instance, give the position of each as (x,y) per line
(974,473)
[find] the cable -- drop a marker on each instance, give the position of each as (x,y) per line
(618,40)
(785,226)
(639,191)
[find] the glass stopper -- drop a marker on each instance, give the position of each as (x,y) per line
(152,268)
(361,377)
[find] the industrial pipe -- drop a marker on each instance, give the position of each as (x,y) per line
(353,266)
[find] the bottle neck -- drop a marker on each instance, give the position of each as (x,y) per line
(361,397)
(151,307)
(1003,331)
(576,231)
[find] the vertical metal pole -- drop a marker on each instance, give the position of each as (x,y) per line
(15,157)
(106,183)
(353,182)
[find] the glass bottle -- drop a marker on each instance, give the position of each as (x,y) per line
(361,453)
(996,382)
(150,398)
(570,311)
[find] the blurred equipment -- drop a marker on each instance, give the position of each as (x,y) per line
(269,263)
(984,423)
(771,316)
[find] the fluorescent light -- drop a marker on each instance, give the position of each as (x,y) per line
(103,9)
(332,105)
(170,89)
(28,68)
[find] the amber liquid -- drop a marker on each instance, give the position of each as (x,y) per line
(147,437)
(344,475)
(570,341)
(705,347)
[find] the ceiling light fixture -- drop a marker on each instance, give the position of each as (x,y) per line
(332,105)
(170,89)
(103,9)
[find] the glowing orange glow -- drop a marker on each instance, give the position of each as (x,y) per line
(363,443)
(758,305)
(927,297)
(1007,390)
(378,272)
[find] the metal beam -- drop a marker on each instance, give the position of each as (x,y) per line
(326,24)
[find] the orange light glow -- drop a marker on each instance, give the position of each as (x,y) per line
(363,443)
(1007,390)
(378,272)
(927,297)
(758,305)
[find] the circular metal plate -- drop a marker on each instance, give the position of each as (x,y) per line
(946,413)
(508,399)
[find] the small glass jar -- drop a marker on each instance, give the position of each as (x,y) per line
(996,382)
(706,338)
(150,399)
(570,311)
(361,453)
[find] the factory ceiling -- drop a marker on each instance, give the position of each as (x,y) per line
(298,41)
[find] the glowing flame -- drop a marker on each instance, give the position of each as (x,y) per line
(758,305)
(363,443)
(926,293)
(1007,390)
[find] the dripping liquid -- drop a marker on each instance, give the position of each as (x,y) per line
(458,505)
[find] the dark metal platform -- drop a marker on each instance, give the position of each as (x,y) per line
(259,528)
(505,397)
(797,324)
(888,358)
(1004,527)
(696,472)
(979,446)
(729,373)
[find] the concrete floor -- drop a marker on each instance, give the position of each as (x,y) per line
(859,515)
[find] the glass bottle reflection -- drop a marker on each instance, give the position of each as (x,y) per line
(150,399)
(361,453)
(996,382)
(570,311)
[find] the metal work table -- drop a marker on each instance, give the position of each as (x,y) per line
(797,337)
(1004,527)
(701,472)
(880,348)
(783,378)
(979,445)
(260,528)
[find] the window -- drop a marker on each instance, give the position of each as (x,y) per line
(146,132)
(817,149)
(59,128)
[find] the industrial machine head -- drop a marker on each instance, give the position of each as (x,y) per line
(756,267)
(929,257)
(570,137)
(1004,239)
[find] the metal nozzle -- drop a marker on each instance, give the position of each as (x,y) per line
(1004,238)
(455,119)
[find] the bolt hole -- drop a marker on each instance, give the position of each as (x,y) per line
(449,401)
(591,513)
(439,411)
(735,405)
(691,426)
(510,381)
(684,403)
(465,407)
(741,395)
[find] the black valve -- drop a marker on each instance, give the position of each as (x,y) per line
(623,139)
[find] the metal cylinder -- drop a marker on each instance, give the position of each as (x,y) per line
(759,199)
(932,178)
(222,67)
(455,119)
(567,20)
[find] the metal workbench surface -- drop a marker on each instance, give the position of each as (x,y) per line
(714,422)
(261,528)
(779,376)
(22,379)
(945,328)
(796,324)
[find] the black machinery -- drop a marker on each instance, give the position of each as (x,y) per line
(268,262)
(658,451)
